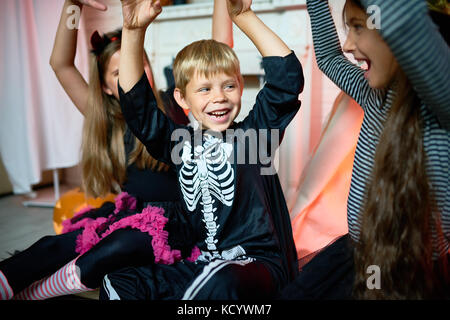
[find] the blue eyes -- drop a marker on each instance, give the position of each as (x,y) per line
(227,87)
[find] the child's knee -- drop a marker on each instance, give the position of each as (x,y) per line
(127,242)
(122,248)
(57,244)
(52,244)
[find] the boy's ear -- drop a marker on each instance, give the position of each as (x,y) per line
(179,98)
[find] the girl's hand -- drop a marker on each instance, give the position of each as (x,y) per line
(93,4)
(138,14)
(237,7)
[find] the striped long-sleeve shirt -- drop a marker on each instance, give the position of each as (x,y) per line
(425,58)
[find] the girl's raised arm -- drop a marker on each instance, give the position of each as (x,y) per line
(419,49)
(329,55)
(222,26)
(63,55)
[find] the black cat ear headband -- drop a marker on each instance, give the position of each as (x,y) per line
(99,42)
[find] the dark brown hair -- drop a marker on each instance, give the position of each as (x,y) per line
(400,210)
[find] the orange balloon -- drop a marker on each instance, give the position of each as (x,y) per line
(73,201)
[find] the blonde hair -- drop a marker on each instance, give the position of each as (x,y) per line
(205,58)
(103,159)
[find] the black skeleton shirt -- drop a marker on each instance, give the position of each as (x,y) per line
(231,196)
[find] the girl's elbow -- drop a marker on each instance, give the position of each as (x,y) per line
(57,65)
(321,64)
(52,63)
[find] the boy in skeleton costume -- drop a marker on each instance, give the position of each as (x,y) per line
(237,214)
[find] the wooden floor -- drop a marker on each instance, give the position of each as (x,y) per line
(21,226)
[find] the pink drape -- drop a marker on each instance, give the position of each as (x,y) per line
(319,207)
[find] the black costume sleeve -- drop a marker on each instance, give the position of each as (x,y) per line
(147,122)
(277,103)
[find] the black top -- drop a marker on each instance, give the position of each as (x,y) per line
(147,185)
(237,212)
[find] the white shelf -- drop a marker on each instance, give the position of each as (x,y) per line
(198,10)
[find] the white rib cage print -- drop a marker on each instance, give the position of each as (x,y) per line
(206,175)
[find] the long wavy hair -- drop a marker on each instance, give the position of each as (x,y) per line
(103,159)
(400,211)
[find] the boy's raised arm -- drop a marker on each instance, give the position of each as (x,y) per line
(265,40)
(137,15)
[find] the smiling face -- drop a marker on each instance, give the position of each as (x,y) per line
(209,83)
(368,46)
(214,101)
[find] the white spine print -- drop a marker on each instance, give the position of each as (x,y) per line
(208,174)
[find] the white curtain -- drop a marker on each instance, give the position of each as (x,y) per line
(40,129)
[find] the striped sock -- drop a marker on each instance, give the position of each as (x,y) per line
(63,282)
(6,292)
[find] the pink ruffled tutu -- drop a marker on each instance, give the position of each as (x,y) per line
(157,220)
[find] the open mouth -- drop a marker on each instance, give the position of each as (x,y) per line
(365,65)
(219,115)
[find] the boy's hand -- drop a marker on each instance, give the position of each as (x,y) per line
(265,40)
(237,7)
(93,4)
(138,14)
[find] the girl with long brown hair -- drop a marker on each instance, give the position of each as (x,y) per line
(398,205)
(133,230)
